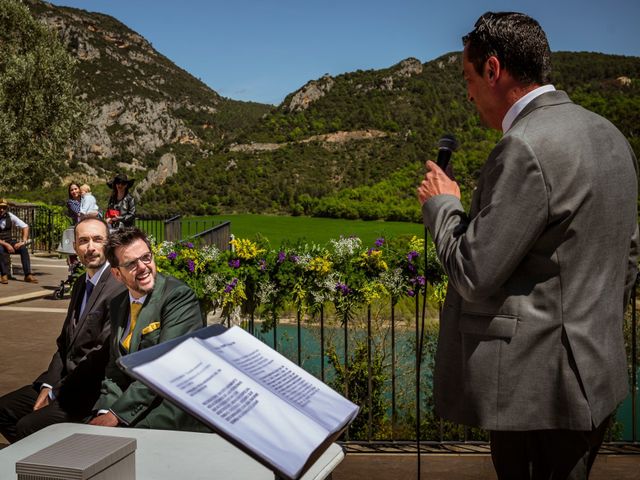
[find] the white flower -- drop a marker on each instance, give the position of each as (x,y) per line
(265,291)
(393,281)
(165,248)
(345,248)
(210,253)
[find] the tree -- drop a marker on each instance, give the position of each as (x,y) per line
(40,113)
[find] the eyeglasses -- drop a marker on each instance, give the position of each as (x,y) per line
(131,265)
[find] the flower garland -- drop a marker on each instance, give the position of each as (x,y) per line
(249,276)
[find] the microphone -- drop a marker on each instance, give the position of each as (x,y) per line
(446,146)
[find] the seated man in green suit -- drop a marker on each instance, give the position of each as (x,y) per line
(155,308)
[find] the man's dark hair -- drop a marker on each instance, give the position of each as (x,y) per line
(518,42)
(91,219)
(123,238)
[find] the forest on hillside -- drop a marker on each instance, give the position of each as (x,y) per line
(375,178)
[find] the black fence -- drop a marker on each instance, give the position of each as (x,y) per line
(386,367)
(178,228)
(45,225)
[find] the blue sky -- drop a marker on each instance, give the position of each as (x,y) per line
(262,50)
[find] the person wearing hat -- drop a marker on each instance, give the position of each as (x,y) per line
(121,210)
(9,246)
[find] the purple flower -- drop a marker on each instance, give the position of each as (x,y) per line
(263,265)
(412,268)
(234,263)
(411,293)
(343,288)
(294,258)
(281,256)
(412,255)
(188,244)
(370,250)
(231,286)
(172,256)
(379,242)
(191,265)
(421,280)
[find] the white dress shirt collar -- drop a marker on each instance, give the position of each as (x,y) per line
(517,107)
(132,299)
(96,276)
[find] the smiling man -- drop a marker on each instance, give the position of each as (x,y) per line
(155,308)
(67,391)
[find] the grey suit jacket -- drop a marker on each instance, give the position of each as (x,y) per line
(539,270)
(77,367)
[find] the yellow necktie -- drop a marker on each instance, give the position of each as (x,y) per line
(135,310)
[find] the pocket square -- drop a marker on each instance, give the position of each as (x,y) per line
(150,328)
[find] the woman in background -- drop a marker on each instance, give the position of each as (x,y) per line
(121,211)
(73,203)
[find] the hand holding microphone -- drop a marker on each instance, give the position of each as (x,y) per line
(436,181)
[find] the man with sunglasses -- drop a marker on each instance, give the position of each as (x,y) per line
(155,308)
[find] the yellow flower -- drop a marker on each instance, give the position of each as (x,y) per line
(373,259)
(320,265)
(245,248)
(416,243)
(373,291)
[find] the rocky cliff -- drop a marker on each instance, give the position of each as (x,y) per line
(139,100)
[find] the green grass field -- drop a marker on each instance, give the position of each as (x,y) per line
(278,229)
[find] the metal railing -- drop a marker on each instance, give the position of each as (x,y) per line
(176,229)
(220,236)
(403,371)
(45,225)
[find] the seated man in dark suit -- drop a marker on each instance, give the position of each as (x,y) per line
(67,391)
(155,308)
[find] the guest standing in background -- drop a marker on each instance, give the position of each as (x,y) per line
(73,203)
(121,210)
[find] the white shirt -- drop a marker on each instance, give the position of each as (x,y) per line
(15,220)
(517,107)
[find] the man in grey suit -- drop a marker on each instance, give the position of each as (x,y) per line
(540,269)
(67,391)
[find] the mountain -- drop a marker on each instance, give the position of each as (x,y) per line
(354,145)
(139,100)
(351,145)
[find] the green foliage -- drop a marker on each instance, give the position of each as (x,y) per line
(39,111)
(353,379)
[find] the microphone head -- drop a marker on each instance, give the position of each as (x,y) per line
(448,142)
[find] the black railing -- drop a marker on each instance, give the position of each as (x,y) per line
(404,371)
(220,236)
(45,225)
(177,228)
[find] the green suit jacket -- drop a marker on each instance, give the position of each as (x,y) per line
(170,311)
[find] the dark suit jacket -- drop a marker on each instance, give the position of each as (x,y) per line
(170,311)
(531,329)
(77,368)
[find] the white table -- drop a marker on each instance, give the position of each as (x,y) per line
(170,455)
